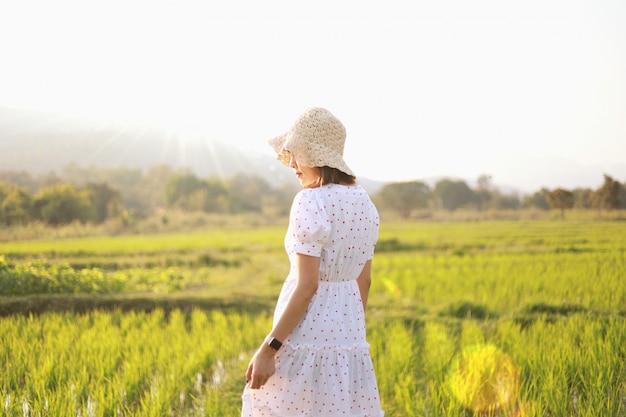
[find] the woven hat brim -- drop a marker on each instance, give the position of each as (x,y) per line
(334,161)
(278,144)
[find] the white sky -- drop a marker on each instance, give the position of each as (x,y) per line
(531,92)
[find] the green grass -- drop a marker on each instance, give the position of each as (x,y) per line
(114,363)
(175,337)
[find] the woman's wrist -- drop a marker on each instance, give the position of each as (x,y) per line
(266,350)
(273,342)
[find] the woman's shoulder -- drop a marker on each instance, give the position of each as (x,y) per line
(307,196)
(307,193)
(330,191)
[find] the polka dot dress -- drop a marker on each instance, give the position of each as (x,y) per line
(324,367)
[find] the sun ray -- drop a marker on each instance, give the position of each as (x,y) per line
(110,144)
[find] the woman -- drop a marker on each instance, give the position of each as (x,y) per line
(315,360)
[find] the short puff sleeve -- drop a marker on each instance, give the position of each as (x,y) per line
(309,225)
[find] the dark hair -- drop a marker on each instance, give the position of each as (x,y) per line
(330,175)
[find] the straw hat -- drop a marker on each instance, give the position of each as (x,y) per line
(316,139)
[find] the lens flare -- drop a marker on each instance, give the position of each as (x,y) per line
(485,380)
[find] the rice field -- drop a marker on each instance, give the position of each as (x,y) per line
(500,318)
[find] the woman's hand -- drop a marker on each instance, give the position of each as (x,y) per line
(261,367)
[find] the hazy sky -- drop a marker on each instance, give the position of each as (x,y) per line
(531,92)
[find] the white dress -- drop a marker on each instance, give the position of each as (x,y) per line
(324,367)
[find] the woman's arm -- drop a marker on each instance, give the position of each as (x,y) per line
(365,281)
(308,268)
(261,366)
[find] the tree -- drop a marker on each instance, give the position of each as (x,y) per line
(622,196)
(179,188)
(561,199)
(60,204)
(15,204)
(278,202)
(106,201)
(211,197)
(537,200)
(485,192)
(607,196)
(151,189)
(506,202)
(583,198)
(451,195)
(217,200)
(404,197)
(129,182)
(188,192)
(246,193)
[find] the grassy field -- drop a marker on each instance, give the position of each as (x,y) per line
(510,318)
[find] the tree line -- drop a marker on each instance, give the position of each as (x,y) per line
(91,194)
(407,197)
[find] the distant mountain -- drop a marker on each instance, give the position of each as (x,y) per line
(40,143)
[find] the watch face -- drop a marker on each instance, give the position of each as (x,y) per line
(275,344)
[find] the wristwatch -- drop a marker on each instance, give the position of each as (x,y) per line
(273,342)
